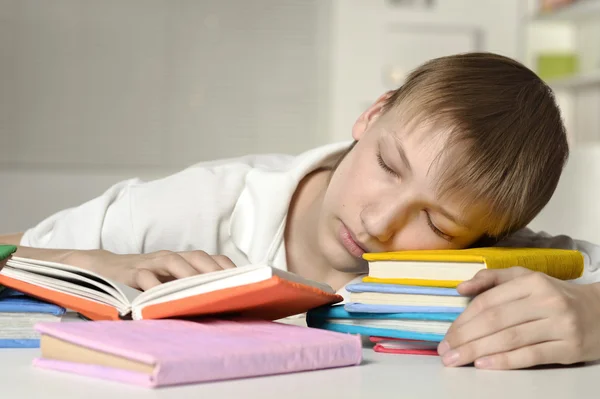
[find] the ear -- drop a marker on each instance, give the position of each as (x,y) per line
(367,118)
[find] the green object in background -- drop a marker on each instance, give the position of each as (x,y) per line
(6,251)
(557,65)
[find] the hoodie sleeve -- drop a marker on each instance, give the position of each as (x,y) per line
(184,211)
(87,225)
(591,252)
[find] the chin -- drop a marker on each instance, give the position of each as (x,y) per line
(347,263)
(362,268)
(338,258)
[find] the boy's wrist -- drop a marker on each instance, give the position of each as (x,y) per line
(595,287)
(85,259)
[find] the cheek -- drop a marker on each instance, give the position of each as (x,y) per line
(347,186)
(418,236)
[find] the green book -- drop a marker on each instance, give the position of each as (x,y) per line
(5,252)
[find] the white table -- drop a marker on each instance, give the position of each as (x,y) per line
(380,376)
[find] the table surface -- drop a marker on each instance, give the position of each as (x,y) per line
(379,376)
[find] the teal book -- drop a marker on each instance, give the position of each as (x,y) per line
(426,326)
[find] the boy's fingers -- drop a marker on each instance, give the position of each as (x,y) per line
(488,278)
(510,291)
(224,262)
(175,265)
(507,340)
(146,279)
(200,261)
(166,266)
(491,322)
(528,356)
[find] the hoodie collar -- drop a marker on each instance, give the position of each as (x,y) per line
(259,216)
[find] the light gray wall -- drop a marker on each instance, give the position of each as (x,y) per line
(95,91)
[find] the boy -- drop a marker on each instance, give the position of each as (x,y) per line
(466,152)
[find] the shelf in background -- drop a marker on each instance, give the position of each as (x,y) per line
(577,82)
(579,10)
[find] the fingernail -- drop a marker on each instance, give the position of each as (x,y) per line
(443,347)
(483,363)
(450,358)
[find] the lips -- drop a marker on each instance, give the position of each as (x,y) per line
(351,245)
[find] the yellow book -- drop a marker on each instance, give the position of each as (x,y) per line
(448,268)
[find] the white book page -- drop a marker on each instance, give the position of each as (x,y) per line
(66,276)
(392,344)
(22,325)
(424,270)
(377,298)
(66,287)
(423,326)
(209,282)
(184,284)
(124,293)
(249,277)
(128,292)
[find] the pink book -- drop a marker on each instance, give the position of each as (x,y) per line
(157,353)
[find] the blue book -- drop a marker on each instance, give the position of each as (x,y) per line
(356,307)
(427,326)
(401,289)
(396,298)
(339,312)
(19,343)
(12,301)
(18,315)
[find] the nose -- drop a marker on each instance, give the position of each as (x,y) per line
(386,217)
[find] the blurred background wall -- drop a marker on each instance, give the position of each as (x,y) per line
(92,92)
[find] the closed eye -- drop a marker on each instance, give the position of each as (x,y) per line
(385,166)
(437,231)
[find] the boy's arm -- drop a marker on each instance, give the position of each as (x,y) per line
(11,239)
(51,255)
(75,236)
(103,222)
(143,233)
(141,271)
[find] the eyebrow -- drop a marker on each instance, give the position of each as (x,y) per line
(402,153)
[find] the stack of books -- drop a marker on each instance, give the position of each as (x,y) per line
(408,301)
(18,315)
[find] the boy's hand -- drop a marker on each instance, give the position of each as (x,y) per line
(148,270)
(524,319)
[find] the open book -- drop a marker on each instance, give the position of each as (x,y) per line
(258,291)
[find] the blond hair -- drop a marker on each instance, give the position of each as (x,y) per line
(505,123)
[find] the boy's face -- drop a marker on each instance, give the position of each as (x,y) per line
(382,196)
